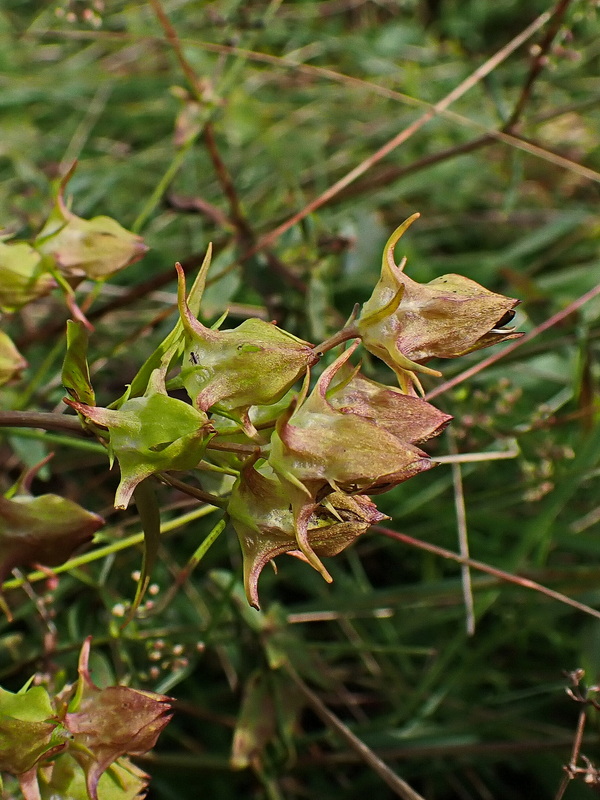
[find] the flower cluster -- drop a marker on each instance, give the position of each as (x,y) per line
(302,463)
(307,462)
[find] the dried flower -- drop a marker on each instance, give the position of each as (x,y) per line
(264,521)
(406,323)
(109,723)
(317,448)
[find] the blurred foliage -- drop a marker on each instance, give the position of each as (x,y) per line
(289,97)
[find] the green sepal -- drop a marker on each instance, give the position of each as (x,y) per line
(149,434)
(27,734)
(75,371)
(172,345)
(149,511)
(123,780)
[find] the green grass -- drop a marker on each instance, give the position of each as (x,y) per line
(296,95)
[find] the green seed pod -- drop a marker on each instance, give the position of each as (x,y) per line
(232,370)
(149,434)
(22,278)
(12,362)
(405,323)
(81,248)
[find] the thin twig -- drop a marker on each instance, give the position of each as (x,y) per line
(175,43)
(539,62)
(472,80)
(470,458)
(236,214)
(45,420)
(245,234)
(509,577)
(393,173)
(330,74)
(200,206)
(463,541)
(395,782)
(570,770)
(191,491)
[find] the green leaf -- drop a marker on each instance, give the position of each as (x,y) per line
(75,372)
(149,434)
(31,704)
(26,733)
(65,779)
(269,711)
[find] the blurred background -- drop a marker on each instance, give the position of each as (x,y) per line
(196,122)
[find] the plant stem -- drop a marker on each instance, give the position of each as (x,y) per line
(395,782)
(191,491)
(519,580)
(41,419)
(234,447)
(349,332)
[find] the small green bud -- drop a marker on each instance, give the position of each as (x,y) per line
(81,248)
(405,323)
(22,278)
(232,370)
(149,434)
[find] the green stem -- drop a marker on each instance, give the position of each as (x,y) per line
(233,447)
(55,439)
(191,565)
